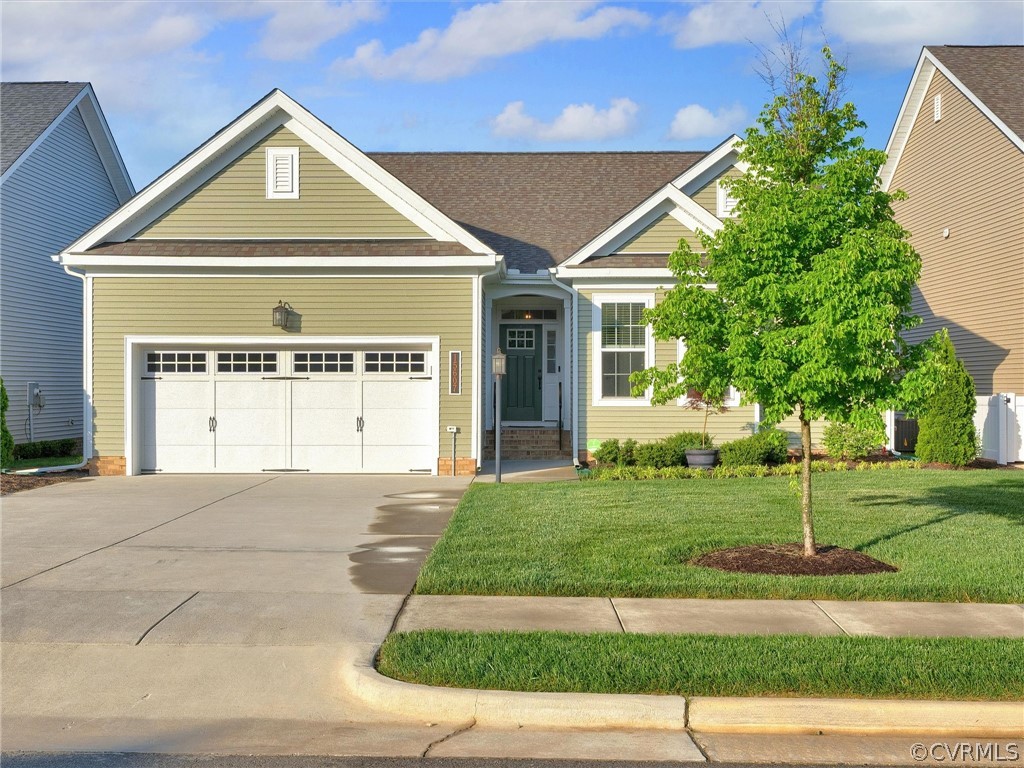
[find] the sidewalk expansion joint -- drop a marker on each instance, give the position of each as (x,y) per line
(164,617)
(134,535)
(693,737)
(618,618)
(840,626)
(452,735)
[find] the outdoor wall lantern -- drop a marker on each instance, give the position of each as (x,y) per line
(281,312)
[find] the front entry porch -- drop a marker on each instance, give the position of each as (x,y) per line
(530,443)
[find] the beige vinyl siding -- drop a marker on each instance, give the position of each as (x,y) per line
(791,427)
(241,307)
(962,173)
(707,196)
(643,423)
(662,236)
(234,204)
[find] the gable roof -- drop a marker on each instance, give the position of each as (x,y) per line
(273,110)
(28,109)
(988,75)
(993,73)
(536,208)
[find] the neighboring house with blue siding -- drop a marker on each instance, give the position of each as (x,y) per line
(60,173)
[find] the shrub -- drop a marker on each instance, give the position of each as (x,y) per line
(678,444)
(848,441)
(946,426)
(769,446)
(653,455)
(6,439)
(45,448)
(670,452)
(608,452)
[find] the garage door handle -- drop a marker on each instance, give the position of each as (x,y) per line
(359,423)
(213,424)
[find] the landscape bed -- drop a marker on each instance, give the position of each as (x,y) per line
(710,665)
(954,536)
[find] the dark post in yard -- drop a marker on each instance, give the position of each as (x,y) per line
(498,369)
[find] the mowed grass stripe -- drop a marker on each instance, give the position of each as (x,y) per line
(705,665)
(955,537)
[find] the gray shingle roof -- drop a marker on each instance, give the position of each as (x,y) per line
(993,73)
(536,208)
(26,110)
(281,248)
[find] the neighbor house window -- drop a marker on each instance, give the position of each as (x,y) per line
(623,346)
(283,173)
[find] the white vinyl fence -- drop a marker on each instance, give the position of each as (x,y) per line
(999,420)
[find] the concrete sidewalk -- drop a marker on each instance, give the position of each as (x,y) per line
(719,617)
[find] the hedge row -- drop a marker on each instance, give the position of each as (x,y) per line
(723,472)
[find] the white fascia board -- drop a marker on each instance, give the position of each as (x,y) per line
(103,139)
(708,166)
(627,277)
(273,110)
(666,200)
(270,262)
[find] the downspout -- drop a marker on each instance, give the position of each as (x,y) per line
(574,347)
(86,373)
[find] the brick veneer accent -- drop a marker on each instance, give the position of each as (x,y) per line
(463,467)
(107,465)
(529,443)
(585,457)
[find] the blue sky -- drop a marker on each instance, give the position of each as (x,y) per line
(500,75)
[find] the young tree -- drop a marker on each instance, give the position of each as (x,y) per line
(947,418)
(800,301)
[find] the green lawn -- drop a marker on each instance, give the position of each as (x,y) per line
(955,536)
(46,461)
(706,665)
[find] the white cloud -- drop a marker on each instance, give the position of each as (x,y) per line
(296,29)
(879,32)
(485,32)
(696,122)
(712,23)
(577,122)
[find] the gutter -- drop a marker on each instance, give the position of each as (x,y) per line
(480,377)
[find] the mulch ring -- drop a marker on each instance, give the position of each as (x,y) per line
(789,560)
(11,483)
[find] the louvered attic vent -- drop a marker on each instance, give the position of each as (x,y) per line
(283,173)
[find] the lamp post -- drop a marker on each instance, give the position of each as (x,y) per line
(498,369)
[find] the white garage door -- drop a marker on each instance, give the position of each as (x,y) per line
(283,410)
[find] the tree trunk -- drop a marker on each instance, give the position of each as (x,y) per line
(805,502)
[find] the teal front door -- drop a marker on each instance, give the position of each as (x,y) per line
(521,389)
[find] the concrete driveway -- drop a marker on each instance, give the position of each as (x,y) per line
(208,613)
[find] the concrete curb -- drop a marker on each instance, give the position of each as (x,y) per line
(506,708)
(856,716)
(701,714)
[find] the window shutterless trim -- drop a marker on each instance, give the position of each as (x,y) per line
(599,300)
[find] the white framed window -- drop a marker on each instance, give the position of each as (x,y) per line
(394,362)
(282,173)
(623,344)
(323,362)
(726,202)
(175,362)
(732,395)
(247,362)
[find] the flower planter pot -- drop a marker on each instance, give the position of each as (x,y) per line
(702,457)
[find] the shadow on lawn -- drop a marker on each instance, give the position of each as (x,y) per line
(1002,497)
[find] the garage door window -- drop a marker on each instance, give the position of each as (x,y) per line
(324,362)
(176,362)
(395,362)
(247,362)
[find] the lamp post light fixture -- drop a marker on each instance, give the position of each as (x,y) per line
(280,313)
(498,369)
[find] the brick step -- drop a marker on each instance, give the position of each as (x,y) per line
(529,443)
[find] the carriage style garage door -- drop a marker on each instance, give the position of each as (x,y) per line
(313,410)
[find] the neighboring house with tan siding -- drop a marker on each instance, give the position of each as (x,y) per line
(60,173)
(282,301)
(957,151)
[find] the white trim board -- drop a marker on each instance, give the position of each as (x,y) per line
(710,166)
(666,200)
(274,110)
